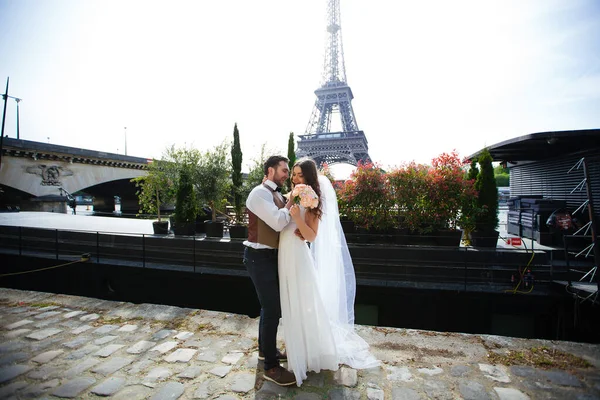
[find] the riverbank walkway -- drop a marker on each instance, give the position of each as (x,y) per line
(60,346)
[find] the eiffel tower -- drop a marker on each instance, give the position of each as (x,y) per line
(334,96)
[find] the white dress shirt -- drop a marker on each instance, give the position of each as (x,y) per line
(260,202)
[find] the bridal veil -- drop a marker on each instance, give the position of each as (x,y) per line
(337,282)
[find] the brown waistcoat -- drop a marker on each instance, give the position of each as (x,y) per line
(259,231)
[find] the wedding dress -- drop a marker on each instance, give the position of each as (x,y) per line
(307,332)
(317,289)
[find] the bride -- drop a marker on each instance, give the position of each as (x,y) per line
(317,285)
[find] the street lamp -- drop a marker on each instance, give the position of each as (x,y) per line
(125,140)
(18,101)
(4,96)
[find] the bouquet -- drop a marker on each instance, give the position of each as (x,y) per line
(305,196)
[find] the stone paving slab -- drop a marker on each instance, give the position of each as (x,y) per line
(44,333)
(141,347)
(18,324)
(163,352)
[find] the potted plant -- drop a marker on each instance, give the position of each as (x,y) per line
(486,221)
(213,183)
(238,230)
(470,208)
(155,189)
(408,186)
(449,192)
(365,199)
(174,161)
(186,206)
(429,200)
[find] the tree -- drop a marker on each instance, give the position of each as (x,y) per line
(257,173)
(155,188)
(291,154)
(502,180)
(487,219)
(236,175)
(502,176)
(473,170)
(499,169)
(186,206)
(470,208)
(214,177)
(174,159)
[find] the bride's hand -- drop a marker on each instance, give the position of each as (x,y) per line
(295,212)
(297,233)
(290,202)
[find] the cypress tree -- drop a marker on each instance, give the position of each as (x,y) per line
(291,155)
(236,173)
(473,170)
(488,194)
(185,202)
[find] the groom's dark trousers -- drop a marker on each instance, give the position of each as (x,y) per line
(262,267)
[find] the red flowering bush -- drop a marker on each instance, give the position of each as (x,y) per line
(450,190)
(433,198)
(365,198)
(409,187)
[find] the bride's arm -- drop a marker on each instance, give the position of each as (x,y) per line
(308,226)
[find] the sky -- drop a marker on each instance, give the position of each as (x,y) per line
(427,76)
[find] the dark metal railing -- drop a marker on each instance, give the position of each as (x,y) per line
(463,268)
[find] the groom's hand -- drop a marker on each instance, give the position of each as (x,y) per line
(297,232)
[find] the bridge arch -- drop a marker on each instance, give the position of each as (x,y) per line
(40,170)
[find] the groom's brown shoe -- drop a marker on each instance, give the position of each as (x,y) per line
(280,356)
(280,376)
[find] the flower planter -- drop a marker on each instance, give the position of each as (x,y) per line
(450,237)
(160,227)
(484,239)
(200,227)
(184,228)
(213,229)
(418,239)
(347,226)
(238,232)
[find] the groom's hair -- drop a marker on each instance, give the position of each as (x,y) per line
(273,161)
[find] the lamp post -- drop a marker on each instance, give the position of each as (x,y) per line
(4,96)
(18,101)
(125,140)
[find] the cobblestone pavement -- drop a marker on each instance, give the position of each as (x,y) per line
(58,346)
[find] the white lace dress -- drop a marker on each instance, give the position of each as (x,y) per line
(307,330)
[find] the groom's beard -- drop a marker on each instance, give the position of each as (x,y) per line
(279,181)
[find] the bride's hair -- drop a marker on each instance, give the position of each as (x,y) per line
(311,177)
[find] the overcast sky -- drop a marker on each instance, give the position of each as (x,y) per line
(427,76)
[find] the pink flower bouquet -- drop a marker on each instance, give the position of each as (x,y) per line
(305,196)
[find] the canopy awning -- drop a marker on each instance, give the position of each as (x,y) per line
(544,145)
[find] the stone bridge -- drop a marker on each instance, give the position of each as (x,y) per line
(32,174)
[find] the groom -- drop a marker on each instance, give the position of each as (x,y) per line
(268,215)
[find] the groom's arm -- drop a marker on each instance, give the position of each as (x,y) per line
(260,202)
